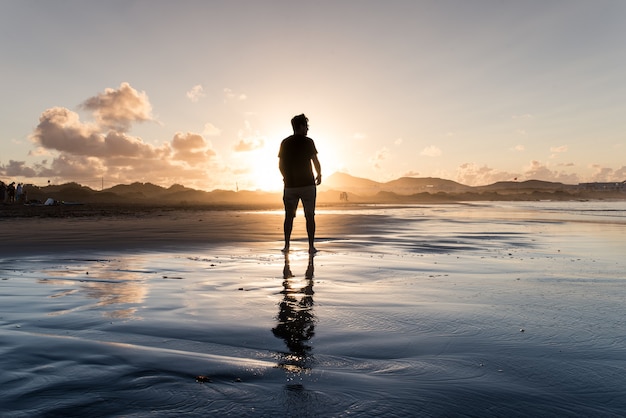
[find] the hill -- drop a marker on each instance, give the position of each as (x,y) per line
(339,188)
(402,186)
(528,185)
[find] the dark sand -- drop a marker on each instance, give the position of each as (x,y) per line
(141,229)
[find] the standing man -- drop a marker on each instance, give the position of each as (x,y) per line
(295,156)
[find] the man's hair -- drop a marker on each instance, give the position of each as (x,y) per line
(298,121)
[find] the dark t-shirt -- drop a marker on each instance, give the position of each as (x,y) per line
(295,154)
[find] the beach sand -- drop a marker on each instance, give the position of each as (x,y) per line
(488,309)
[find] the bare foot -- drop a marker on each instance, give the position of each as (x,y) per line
(312,250)
(285,250)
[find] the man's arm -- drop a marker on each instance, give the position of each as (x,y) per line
(318,169)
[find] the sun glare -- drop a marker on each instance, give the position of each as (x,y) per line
(262,170)
(261,165)
(266,176)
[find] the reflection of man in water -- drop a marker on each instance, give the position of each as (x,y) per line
(296,322)
(295,156)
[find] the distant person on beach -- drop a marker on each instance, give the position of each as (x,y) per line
(296,154)
(11,192)
(19,193)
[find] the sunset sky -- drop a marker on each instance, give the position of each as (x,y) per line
(200,93)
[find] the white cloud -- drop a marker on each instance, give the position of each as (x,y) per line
(211,130)
(539,171)
(196,93)
(118,108)
(245,145)
(18,169)
(431,151)
(85,150)
(191,148)
(519,148)
(229,94)
(61,130)
(607,174)
(559,149)
(472,174)
(380,156)
(249,139)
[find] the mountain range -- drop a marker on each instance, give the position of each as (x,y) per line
(337,188)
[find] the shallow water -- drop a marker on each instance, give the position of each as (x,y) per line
(452,310)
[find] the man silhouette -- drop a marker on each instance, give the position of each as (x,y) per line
(295,156)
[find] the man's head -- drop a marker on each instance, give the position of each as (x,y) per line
(300,124)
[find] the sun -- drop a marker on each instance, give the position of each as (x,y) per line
(259,167)
(261,170)
(266,176)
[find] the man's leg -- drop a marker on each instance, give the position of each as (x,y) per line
(308,202)
(287,227)
(310,231)
(290,199)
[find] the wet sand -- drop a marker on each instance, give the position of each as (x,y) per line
(164,230)
(451,310)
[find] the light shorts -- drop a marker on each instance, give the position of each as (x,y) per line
(291,196)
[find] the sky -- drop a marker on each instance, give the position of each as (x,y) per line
(200,93)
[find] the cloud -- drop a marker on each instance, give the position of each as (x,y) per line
(38,151)
(562,148)
(557,150)
(17,169)
(191,148)
(472,174)
(80,150)
(249,145)
(75,167)
(211,130)
(539,171)
(519,148)
(431,151)
(606,174)
(380,156)
(61,130)
(118,109)
(231,95)
(196,93)
(398,141)
(249,139)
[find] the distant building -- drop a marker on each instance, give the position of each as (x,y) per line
(604,187)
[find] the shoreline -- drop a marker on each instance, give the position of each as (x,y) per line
(161,230)
(57,229)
